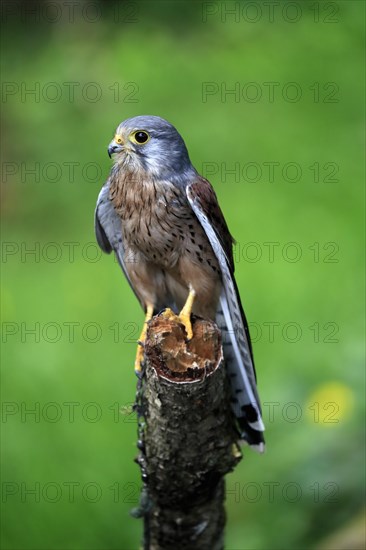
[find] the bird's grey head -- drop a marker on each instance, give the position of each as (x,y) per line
(152,144)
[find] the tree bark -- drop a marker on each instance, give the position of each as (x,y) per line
(188,439)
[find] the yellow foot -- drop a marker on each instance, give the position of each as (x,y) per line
(183,318)
(170,315)
(186,321)
(141,341)
(185,314)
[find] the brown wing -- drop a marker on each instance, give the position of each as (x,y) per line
(231,318)
(202,192)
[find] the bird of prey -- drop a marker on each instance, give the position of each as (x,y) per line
(164,224)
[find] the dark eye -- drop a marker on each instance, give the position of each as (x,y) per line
(141,137)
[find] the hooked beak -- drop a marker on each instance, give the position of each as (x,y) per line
(113,147)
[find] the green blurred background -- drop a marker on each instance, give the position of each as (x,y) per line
(303,293)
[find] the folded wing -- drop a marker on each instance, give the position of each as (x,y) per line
(108,230)
(230,316)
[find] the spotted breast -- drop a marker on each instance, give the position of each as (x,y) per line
(158,222)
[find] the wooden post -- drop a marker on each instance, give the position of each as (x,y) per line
(188,440)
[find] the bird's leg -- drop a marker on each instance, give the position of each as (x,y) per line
(185,314)
(141,340)
(169,314)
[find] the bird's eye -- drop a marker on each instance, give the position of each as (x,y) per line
(140,137)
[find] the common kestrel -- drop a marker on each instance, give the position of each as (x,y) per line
(163,222)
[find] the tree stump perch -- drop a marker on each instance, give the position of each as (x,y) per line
(189,440)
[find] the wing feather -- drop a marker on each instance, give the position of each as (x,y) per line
(108,231)
(231,317)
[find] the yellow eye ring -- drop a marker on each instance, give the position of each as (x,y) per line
(140,137)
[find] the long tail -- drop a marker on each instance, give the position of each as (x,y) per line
(240,366)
